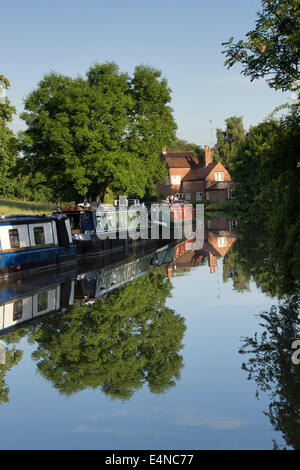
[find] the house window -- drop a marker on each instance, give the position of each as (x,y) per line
(17,310)
(176,179)
(167,181)
(207,196)
(39,235)
(222,242)
(14,239)
(42,302)
(187,196)
(219,176)
(199,196)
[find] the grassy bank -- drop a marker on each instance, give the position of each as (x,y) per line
(9,206)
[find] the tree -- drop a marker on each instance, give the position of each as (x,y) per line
(228,141)
(181,145)
(8,142)
(272,49)
(86,136)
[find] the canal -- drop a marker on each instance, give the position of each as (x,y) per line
(164,348)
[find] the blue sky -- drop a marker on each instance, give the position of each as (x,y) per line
(180,37)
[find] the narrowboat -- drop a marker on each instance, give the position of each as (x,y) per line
(173,219)
(34,243)
(98,228)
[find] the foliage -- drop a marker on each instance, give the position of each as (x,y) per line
(228,141)
(117,346)
(271,50)
(8,143)
(180,145)
(87,136)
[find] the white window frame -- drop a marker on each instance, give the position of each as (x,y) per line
(187,196)
(222,242)
(219,175)
(200,197)
(176,179)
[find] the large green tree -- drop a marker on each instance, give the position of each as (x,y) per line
(8,142)
(88,135)
(228,141)
(272,49)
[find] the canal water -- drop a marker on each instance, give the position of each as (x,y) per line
(163,348)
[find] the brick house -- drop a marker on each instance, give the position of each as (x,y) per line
(192,181)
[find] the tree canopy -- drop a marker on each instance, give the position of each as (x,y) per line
(8,142)
(272,49)
(228,141)
(88,135)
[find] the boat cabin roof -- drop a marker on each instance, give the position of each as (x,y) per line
(19,219)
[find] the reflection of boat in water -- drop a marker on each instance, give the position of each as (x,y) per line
(22,303)
(34,243)
(32,298)
(218,238)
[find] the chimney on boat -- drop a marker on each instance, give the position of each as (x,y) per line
(164,150)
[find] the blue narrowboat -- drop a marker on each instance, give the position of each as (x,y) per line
(33,243)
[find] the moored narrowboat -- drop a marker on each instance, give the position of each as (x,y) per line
(98,228)
(174,219)
(34,243)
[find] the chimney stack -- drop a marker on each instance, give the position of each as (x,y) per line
(164,150)
(207,155)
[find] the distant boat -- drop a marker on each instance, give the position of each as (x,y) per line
(33,243)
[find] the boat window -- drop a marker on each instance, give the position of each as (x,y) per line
(14,239)
(17,310)
(39,235)
(42,302)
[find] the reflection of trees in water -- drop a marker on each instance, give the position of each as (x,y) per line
(234,269)
(118,346)
(270,366)
(12,357)
(270,258)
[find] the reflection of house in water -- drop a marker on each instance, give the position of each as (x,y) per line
(218,238)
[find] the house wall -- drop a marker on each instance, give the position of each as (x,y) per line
(172,189)
(210,179)
(218,195)
(192,187)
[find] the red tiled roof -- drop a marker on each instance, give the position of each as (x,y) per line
(199,173)
(185,159)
